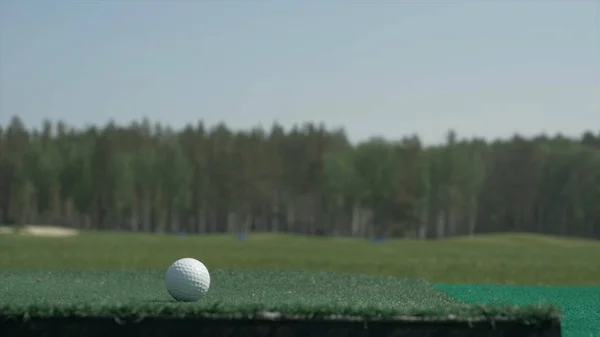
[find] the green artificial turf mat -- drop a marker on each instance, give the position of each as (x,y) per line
(245,293)
(580,305)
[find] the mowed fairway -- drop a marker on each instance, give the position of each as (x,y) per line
(52,276)
(493,259)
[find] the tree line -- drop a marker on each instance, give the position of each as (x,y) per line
(309,180)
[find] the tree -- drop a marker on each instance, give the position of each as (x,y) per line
(311,180)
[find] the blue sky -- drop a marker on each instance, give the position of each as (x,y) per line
(482,68)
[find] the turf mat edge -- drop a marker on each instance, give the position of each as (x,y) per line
(526,314)
(205,327)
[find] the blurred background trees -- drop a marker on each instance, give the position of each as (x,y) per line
(306,180)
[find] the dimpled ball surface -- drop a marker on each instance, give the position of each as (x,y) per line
(187,280)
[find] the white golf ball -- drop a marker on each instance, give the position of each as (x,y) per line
(187,280)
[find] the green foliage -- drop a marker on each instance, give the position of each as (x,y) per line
(310,180)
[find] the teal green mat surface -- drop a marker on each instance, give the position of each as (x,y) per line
(580,305)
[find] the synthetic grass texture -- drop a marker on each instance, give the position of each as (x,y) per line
(580,305)
(246,294)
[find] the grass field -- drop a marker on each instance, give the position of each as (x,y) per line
(52,276)
(494,259)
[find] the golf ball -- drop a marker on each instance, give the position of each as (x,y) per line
(187,280)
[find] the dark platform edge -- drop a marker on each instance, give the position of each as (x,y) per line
(246,327)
